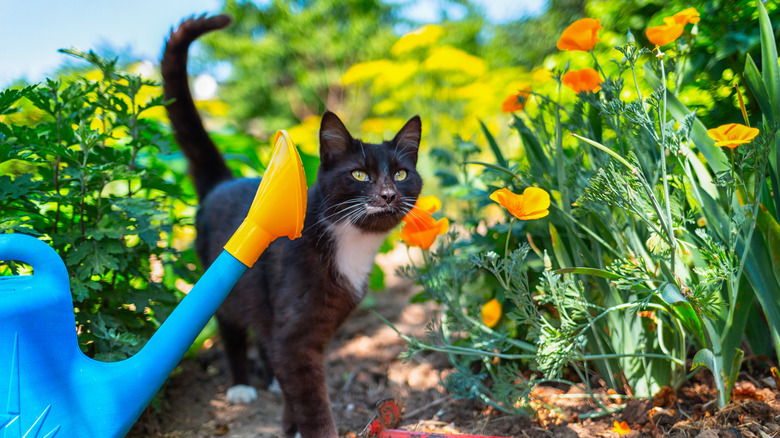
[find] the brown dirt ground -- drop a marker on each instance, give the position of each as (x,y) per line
(363,366)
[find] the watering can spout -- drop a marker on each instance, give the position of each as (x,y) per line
(75,396)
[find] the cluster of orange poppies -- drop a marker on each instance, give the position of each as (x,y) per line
(421,229)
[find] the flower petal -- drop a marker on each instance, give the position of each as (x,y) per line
(586,79)
(535,199)
(581,35)
(491,313)
(665,33)
(428,203)
(690,15)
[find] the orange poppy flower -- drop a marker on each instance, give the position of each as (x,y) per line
(673,27)
(586,79)
(690,15)
(581,35)
(421,229)
(516,102)
(620,428)
(491,313)
(534,203)
(665,33)
(732,135)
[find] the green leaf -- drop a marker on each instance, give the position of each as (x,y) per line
(561,255)
(376,281)
(771,231)
(590,271)
(756,85)
(536,155)
(769,63)
(603,148)
(680,306)
(494,146)
(91,258)
(705,358)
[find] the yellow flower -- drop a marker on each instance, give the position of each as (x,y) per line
(581,35)
(586,79)
(491,313)
(732,135)
(534,203)
(620,428)
(420,227)
(516,102)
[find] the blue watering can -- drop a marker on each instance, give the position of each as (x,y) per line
(49,388)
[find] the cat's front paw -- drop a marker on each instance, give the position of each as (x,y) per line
(241,394)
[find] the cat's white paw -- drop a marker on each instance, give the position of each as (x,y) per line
(274,387)
(241,394)
(298,435)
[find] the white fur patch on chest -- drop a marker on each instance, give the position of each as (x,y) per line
(355,251)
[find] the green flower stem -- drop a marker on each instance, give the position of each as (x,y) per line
(596,61)
(669,221)
(560,158)
(508,236)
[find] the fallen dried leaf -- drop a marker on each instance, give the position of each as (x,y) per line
(665,397)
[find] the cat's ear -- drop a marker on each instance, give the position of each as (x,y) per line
(407,140)
(334,137)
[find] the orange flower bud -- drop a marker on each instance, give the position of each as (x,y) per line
(586,79)
(491,313)
(732,135)
(534,203)
(581,35)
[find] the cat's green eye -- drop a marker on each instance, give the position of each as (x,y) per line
(400,175)
(360,175)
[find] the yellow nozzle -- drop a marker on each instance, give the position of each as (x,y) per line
(279,206)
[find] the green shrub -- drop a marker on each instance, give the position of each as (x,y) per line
(83,168)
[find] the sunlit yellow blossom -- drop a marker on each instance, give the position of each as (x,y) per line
(425,36)
(620,428)
(491,313)
(732,135)
(534,203)
(420,227)
(450,59)
(586,79)
(582,35)
(516,102)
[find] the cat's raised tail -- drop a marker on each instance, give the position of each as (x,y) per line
(207,166)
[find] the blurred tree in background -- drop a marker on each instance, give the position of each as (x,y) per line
(287,57)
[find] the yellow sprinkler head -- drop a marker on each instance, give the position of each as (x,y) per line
(279,207)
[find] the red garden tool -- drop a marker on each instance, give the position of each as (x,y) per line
(389,416)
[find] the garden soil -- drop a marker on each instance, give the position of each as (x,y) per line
(364,367)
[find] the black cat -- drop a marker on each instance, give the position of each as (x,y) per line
(300,291)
